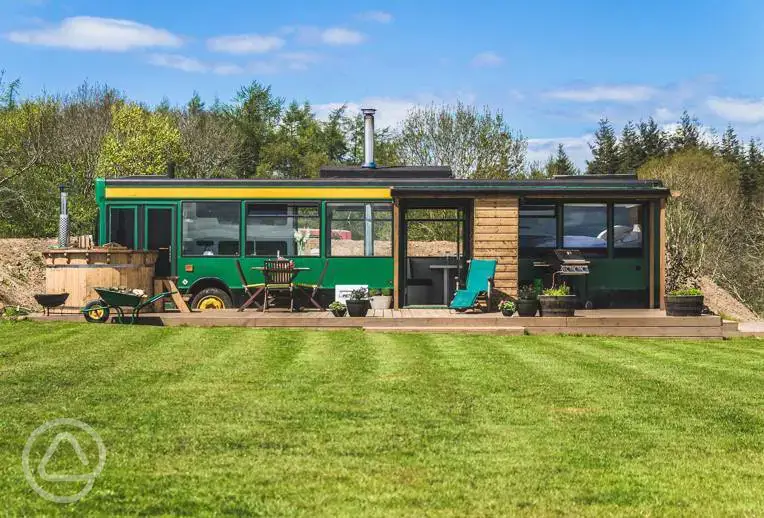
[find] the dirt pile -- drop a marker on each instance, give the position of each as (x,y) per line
(721,302)
(22,271)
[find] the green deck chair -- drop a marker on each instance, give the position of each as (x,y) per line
(479,281)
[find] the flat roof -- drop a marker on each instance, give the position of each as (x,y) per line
(588,185)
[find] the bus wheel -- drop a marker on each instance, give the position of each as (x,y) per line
(211,298)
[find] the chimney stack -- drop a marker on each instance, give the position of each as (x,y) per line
(63,219)
(368,140)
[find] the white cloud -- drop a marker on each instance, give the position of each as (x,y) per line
(91,33)
(614,93)
(178,62)
(664,114)
(737,110)
(376,16)
(340,36)
(390,112)
(245,44)
(487,59)
(299,60)
(577,149)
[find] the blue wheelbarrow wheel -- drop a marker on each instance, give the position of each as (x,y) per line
(96,311)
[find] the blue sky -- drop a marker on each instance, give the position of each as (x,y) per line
(554,67)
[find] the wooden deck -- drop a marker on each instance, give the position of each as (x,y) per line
(638,323)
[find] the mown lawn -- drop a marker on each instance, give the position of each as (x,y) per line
(283,422)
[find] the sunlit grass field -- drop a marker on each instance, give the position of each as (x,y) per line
(346,423)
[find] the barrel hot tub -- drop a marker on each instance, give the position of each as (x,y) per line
(78,271)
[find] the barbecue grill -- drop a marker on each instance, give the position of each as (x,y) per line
(565,262)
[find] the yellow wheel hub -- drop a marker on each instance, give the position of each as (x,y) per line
(95,313)
(210,303)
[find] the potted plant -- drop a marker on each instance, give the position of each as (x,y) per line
(338,309)
(557,302)
(507,307)
(358,302)
(380,299)
(527,301)
(685,302)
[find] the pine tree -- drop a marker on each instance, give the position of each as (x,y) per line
(687,134)
(651,139)
(632,154)
(730,147)
(605,159)
(560,164)
(752,173)
(195,105)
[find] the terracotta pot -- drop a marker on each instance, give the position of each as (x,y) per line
(557,305)
(527,307)
(357,308)
(684,305)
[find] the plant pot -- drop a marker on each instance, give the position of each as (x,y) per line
(557,305)
(527,307)
(507,312)
(381,301)
(339,312)
(684,305)
(357,308)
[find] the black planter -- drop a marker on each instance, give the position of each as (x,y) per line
(684,305)
(507,312)
(357,308)
(527,307)
(339,312)
(557,305)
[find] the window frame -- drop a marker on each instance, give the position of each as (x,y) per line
(629,252)
(122,206)
(182,229)
(363,203)
(297,203)
(557,218)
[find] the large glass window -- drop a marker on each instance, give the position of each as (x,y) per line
(287,229)
(122,226)
(360,229)
(434,232)
(211,228)
(627,229)
(538,225)
(585,226)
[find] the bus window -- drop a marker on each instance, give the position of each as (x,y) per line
(211,228)
(287,229)
(122,226)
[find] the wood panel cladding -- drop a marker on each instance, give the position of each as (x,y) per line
(495,236)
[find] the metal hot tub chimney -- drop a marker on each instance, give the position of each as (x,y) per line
(368,137)
(63,219)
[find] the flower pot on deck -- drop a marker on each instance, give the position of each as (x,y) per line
(357,308)
(557,305)
(684,305)
(380,301)
(527,307)
(507,312)
(339,312)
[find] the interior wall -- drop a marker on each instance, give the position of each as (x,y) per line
(495,236)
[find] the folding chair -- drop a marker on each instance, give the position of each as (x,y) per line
(279,276)
(314,287)
(251,295)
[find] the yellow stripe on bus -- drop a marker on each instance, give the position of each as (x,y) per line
(235,193)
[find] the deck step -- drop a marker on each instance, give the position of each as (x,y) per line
(504,330)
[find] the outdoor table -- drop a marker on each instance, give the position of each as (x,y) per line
(296,270)
(445,268)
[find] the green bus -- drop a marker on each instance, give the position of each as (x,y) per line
(411,229)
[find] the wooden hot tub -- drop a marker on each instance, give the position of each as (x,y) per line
(78,271)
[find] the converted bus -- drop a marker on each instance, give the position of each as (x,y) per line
(393,227)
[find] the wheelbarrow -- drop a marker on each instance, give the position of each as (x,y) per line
(98,311)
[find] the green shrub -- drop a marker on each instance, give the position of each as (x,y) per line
(336,306)
(359,294)
(506,305)
(559,291)
(387,292)
(375,292)
(686,292)
(527,292)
